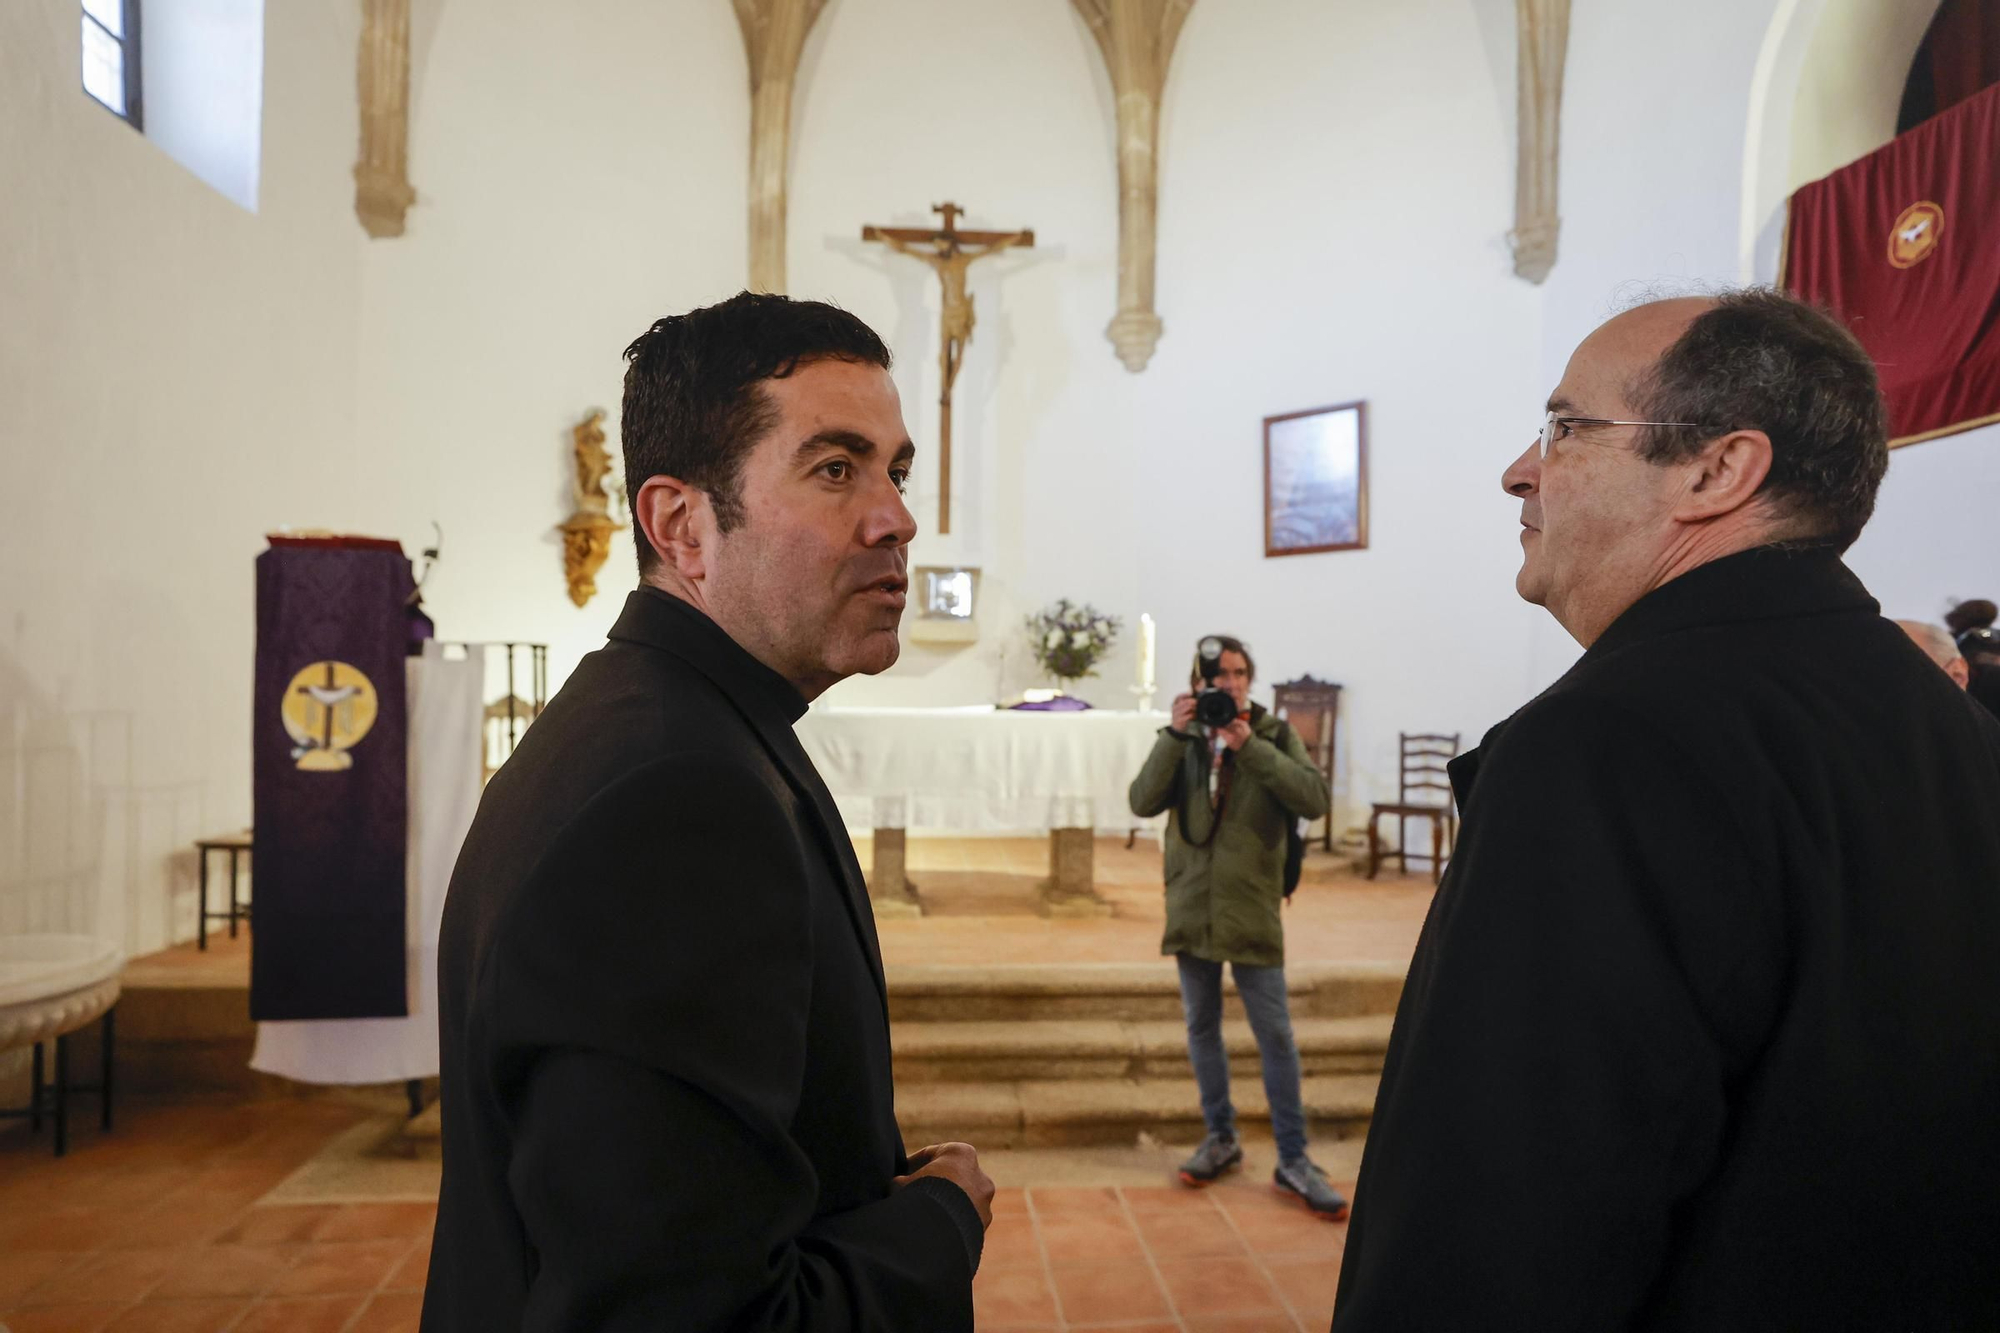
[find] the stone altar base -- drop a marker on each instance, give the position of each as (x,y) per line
(889,889)
(1069,891)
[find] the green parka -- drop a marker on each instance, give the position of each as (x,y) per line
(1224,900)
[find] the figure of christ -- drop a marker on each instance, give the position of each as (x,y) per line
(949,251)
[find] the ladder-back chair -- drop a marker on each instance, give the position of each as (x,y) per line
(1423,792)
(1312,708)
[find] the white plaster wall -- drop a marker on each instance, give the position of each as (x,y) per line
(1004,111)
(179,376)
(580,171)
(1328,236)
(1932,541)
(1318,226)
(175,373)
(1851,87)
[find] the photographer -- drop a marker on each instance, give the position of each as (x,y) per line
(1235,780)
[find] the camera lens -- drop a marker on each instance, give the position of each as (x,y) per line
(1215,708)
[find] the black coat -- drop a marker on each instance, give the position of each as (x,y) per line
(666,1082)
(1703,1031)
(1985,687)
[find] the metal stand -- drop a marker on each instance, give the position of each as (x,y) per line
(54,1099)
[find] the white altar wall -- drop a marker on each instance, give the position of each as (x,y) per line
(1310,242)
(580,172)
(1337,182)
(176,374)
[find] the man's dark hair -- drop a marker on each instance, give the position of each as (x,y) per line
(1975,614)
(1230,644)
(1760,360)
(694,402)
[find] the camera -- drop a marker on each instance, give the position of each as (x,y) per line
(1214,707)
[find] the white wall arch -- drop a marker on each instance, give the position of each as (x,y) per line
(1827,88)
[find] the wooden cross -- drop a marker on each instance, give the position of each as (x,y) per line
(949,251)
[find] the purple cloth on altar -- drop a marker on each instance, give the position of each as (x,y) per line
(1061,704)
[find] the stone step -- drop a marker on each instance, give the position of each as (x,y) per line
(1131,992)
(1035,1113)
(970,1052)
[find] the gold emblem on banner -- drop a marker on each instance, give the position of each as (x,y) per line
(1915,234)
(328,708)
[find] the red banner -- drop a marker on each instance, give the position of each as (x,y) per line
(1905,246)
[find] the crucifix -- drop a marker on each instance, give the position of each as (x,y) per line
(949,251)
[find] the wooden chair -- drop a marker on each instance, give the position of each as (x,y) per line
(1423,792)
(1312,707)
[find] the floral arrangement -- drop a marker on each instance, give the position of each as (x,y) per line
(1069,640)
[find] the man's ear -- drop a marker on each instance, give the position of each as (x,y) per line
(674,515)
(1726,476)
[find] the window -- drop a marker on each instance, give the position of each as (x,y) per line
(111,57)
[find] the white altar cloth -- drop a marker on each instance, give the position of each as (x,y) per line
(980,769)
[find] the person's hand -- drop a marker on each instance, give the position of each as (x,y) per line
(1237,734)
(958,1163)
(1183,712)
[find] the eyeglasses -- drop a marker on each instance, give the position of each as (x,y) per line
(1561,428)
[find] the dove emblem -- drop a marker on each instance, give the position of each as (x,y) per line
(328,708)
(1915,235)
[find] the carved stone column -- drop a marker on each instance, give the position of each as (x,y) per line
(382,192)
(774,35)
(1137,38)
(1542,28)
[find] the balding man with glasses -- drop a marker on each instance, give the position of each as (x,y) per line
(1703,1031)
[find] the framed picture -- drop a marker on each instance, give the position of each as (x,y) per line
(1316,480)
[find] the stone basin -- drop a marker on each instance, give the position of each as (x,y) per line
(53,984)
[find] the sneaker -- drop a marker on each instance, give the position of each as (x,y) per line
(1307,1183)
(1215,1155)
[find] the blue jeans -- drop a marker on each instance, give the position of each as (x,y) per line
(1263,992)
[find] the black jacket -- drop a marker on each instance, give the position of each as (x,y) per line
(1703,1031)
(666,1082)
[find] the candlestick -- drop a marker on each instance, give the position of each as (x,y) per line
(1145,688)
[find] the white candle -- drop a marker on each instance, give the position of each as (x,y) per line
(1145,654)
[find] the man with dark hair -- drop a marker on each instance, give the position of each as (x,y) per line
(1703,1031)
(1981,649)
(1977,613)
(666,1081)
(1231,793)
(1971,624)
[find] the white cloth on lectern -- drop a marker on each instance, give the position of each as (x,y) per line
(446,709)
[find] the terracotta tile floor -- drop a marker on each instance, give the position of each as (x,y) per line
(1235,1257)
(158,1226)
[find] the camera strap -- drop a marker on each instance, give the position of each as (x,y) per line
(1216,802)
